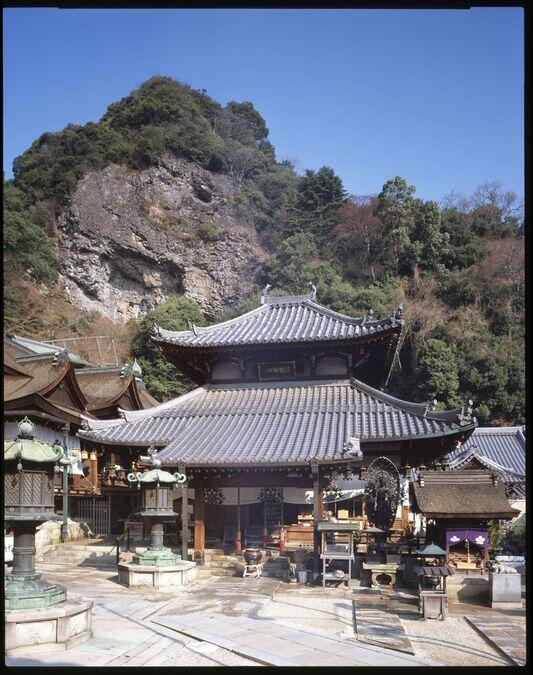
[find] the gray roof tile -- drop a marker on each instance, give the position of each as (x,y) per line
(280,320)
(271,422)
(500,448)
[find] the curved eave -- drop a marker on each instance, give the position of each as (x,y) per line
(162,443)
(297,342)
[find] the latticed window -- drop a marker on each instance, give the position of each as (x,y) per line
(281,370)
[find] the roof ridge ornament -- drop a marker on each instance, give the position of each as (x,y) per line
(264,293)
(60,357)
(430,406)
(192,327)
(136,369)
(126,370)
(313,290)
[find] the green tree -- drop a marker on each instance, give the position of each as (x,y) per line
(27,247)
(438,374)
(395,209)
(162,379)
(318,197)
(412,234)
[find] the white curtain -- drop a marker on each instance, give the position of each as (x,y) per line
(291,495)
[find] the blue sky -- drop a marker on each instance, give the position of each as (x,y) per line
(433,96)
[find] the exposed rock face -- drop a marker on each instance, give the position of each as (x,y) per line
(132,238)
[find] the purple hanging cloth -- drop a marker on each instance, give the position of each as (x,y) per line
(479,537)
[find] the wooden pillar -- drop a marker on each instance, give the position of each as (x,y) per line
(238,540)
(199,522)
(184,517)
(265,530)
(93,470)
(317,516)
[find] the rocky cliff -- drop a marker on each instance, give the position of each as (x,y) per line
(129,239)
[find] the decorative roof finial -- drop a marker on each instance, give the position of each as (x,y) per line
(60,357)
(399,312)
(313,289)
(125,370)
(192,327)
(264,293)
(136,369)
(25,427)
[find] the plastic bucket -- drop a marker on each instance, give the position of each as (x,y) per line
(303,576)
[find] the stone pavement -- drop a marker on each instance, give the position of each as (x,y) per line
(123,633)
(507,635)
(270,643)
(379,627)
(231,621)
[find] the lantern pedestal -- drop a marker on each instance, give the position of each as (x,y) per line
(31,631)
(23,587)
(158,576)
(157,554)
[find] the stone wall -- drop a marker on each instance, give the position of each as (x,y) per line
(50,533)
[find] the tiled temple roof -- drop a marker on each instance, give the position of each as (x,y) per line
(280,319)
(502,449)
(282,422)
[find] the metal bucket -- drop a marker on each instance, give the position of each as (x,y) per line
(303,576)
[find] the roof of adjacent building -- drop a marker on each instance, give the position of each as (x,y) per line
(39,373)
(45,348)
(281,319)
(461,494)
(502,449)
(280,422)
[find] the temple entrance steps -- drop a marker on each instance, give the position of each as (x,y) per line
(88,553)
(217,563)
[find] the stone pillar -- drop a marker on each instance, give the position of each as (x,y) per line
(24,549)
(199,523)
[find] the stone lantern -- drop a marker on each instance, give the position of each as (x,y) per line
(38,615)
(28,501)
(156,507)
(157,566)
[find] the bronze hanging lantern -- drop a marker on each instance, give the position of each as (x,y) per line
(29,500)
(156,505)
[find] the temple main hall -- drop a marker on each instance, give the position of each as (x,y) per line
(289,404)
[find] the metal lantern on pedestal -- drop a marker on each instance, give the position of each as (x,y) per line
(156,506)
(29,500)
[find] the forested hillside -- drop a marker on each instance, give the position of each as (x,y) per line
(457,266)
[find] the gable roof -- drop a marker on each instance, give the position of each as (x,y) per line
(281,422)
(45,372)
(281,319)
(502,449)
(104,387)
(466,494)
